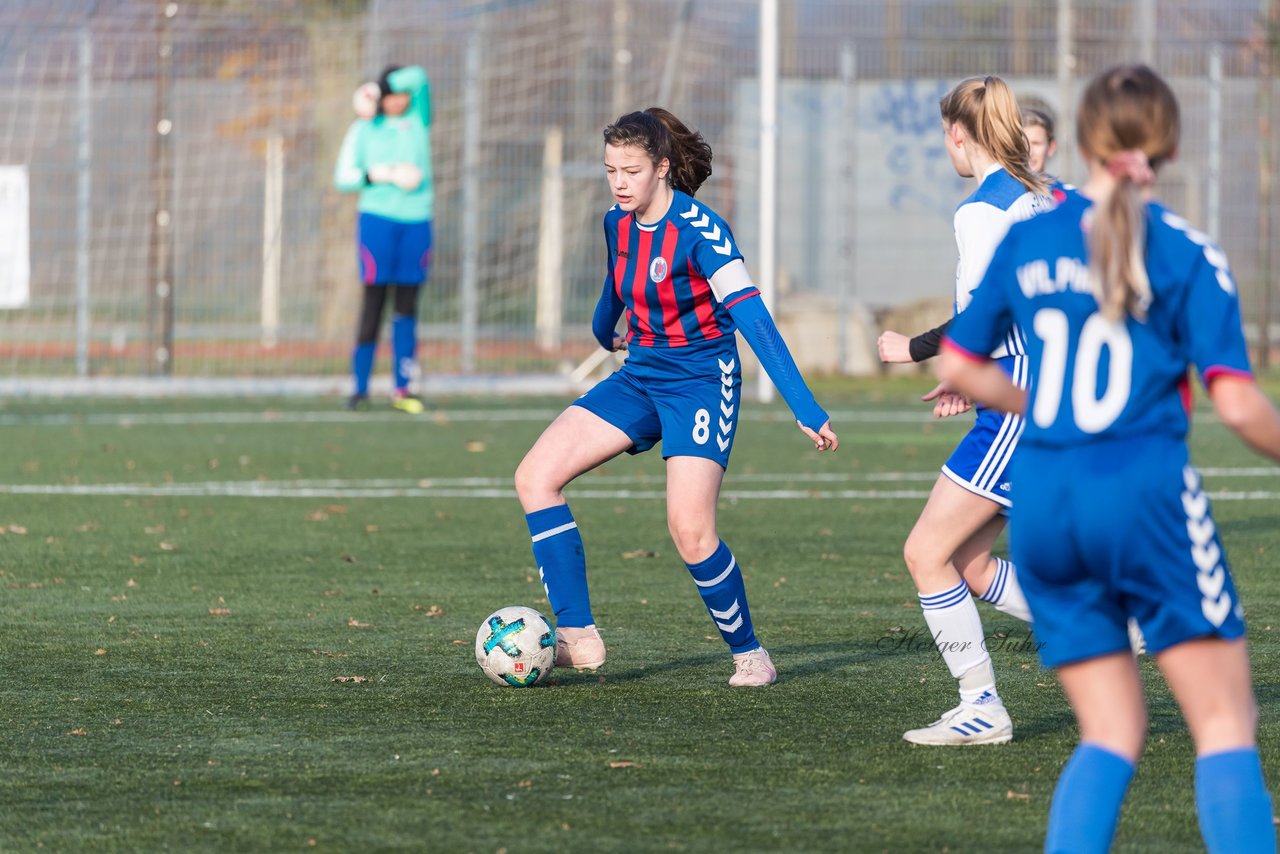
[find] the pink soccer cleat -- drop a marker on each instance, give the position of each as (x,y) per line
(582,649)
(753,669)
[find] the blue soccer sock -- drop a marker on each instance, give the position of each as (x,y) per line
(1233,804)
(1086,801)
(404,348)
(1005,593)
(562,564)
(362,365)
(723,592)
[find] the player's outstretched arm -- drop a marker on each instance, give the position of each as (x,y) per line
(757,326)
(1247,412)
(896,348)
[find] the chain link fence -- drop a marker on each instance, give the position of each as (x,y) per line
(171,164)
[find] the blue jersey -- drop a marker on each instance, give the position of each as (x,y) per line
(1093,377)
(660,272)
(981,222)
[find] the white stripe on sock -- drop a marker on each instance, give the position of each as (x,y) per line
(537,538)
(721,577)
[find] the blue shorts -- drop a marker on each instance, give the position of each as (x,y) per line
(980,463)
(685,398)
(392,252)
(1118,529)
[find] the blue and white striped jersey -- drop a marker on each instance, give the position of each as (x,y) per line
(981,222)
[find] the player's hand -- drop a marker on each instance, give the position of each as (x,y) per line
(383,173)
(619,343)
(894,347)
(825,439)
(406,176)
(947,402)
(365,100)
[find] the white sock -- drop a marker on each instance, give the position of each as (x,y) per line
(956,628)
(1005,593)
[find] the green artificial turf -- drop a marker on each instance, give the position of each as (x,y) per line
(290,665)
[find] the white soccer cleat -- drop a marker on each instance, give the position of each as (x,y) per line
(753,669)
(582,649)
(967,723)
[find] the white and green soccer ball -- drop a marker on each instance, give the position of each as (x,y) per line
(516,646)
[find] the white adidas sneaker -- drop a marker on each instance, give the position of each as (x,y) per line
(967,723)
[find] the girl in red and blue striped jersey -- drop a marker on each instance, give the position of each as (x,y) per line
(674,268)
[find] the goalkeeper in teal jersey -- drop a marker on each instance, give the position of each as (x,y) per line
(386,158)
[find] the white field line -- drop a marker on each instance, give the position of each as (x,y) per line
(632,487)
(443,416)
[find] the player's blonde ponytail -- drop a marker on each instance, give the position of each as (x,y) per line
(1128,120)
(986,108)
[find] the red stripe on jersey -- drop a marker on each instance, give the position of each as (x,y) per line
(702,307)
(1185,395)
(620,262)
(667,289)
(748,295)
(967,355)
(640,309)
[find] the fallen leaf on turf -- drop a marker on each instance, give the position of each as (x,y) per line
(433,611)
(356,679)
(348,558)
(328,654)
(1016,796)
(371,529)
(17,529)
(624,764)
(79,731)
(524,784)
(131,583)
(353,623)
(635,553)
(99,651)
(154,529)
(456,642)
(317,516)
(167,547)
(219,612)
(87,526)
(336,508)
(474,447)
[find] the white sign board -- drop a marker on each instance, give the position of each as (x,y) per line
(15,238)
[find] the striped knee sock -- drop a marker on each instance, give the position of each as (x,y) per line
(1005,593)
(956,629)
(562,564)
(725,594)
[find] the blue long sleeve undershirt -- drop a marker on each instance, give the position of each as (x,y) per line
(756,325)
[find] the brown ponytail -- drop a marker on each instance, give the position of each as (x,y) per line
(665,137)
(1128,120)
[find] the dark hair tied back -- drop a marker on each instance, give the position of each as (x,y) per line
(662,136)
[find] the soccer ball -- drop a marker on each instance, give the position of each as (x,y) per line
(516,646)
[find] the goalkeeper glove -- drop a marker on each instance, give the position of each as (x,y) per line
(365,100)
